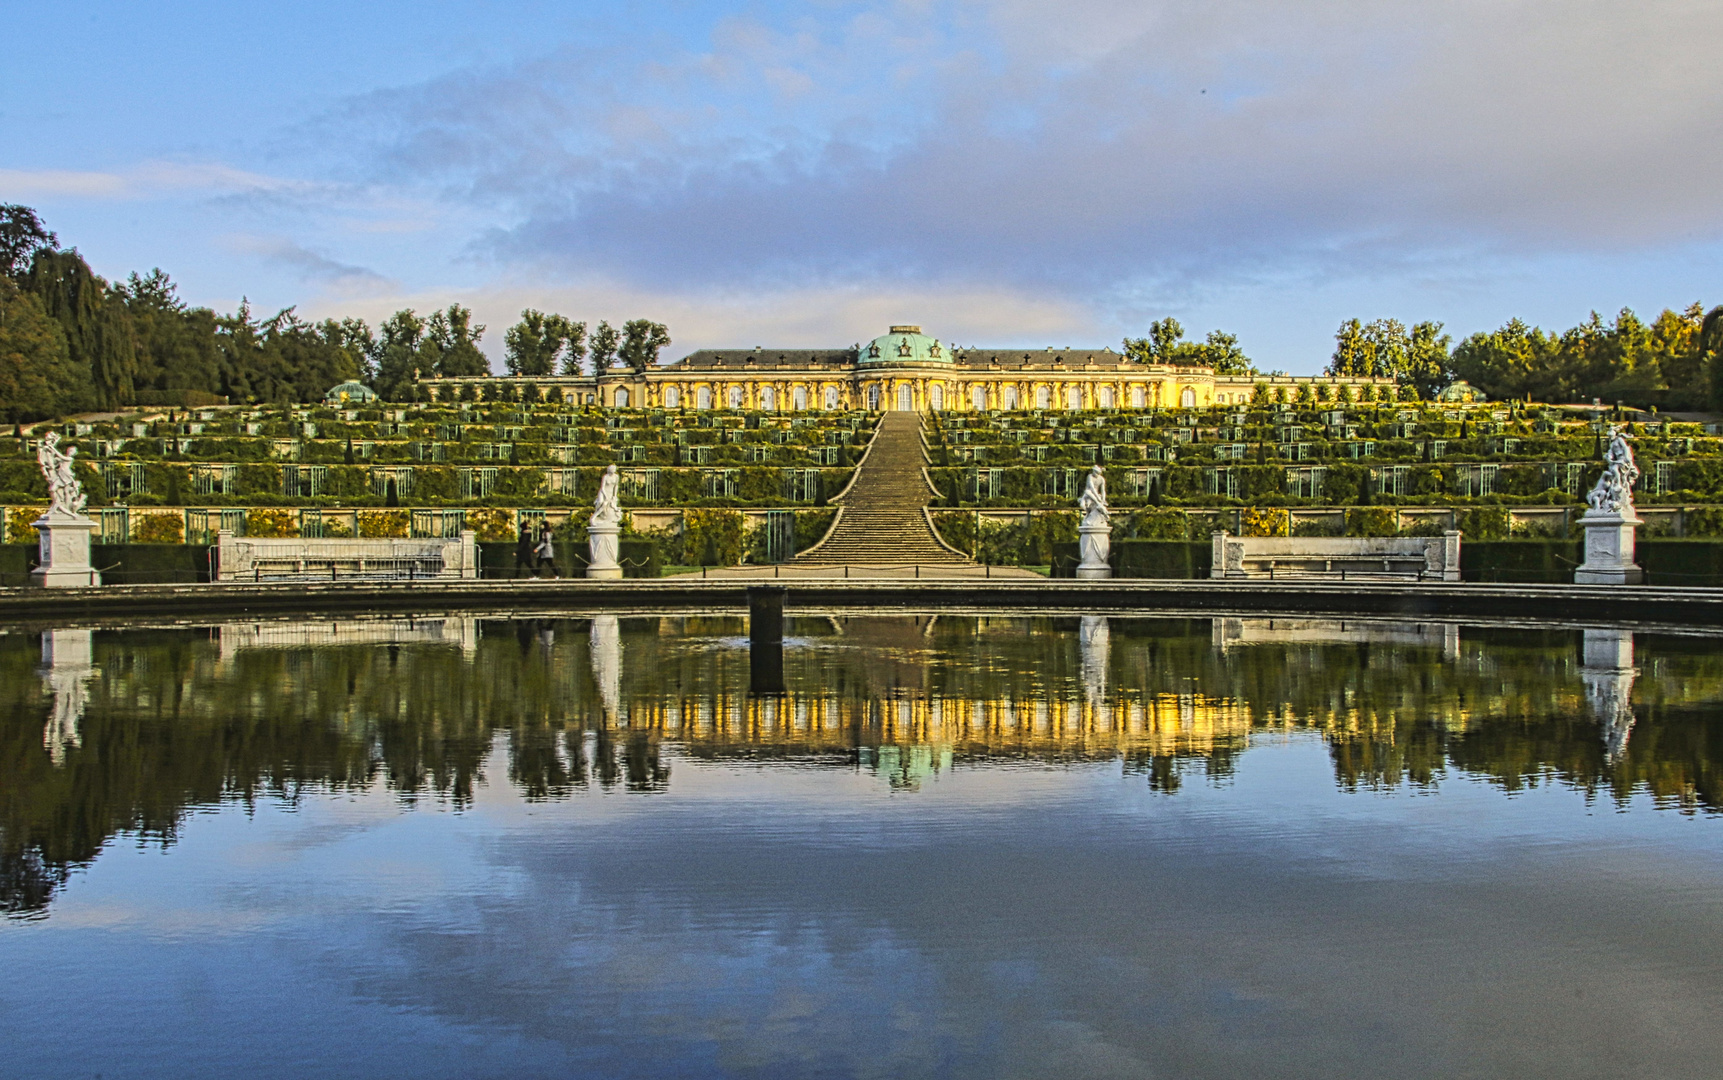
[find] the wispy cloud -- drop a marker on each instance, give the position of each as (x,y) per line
(309,265)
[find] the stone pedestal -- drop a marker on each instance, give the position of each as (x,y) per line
(65,546)
(1096,543)
(603,546)
(1609,549)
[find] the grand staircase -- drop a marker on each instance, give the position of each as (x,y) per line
(882,522)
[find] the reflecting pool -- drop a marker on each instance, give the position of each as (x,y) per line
(957,846)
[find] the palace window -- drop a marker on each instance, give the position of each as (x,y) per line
(736,396)
(1188,398)
(831,397)
(703,398)
(1139,397)
(768,399)
(672,398)
(1073,398)
(799,399)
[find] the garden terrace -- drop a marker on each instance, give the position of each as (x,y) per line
(1314,455)
(500,454)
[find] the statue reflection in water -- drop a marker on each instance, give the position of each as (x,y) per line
(1608,673)
(606,650)
(1094,639)
(66,671)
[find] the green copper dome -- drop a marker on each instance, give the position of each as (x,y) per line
(904,345)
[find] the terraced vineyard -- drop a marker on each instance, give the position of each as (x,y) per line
(1317,455)
(427,469)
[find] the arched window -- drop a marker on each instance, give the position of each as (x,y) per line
(736,396)
(1104,398)
(831,397)
(703,398)
(1138,398)
(978,397)
(906,397)
(768,398)
(1043,397)
(1009,401)
(799,399)
(936,397)
(873,398)
(1073,397)
(672,398)
(621,398)
(1188,398)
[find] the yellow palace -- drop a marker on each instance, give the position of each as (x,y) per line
(904,370)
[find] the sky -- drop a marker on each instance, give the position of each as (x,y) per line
(1005,173)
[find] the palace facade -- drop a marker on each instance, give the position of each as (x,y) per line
(902,370)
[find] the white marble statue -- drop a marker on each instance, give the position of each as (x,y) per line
(603,530)
(1614,490)
(1094,534)
(65,493)
(605,509)
(1093,501)
(1609,521)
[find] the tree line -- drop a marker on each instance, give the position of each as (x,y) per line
(72,341)
(1670,363)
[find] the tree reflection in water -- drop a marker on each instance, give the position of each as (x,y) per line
(123,731)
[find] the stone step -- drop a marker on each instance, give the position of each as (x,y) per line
(883,523)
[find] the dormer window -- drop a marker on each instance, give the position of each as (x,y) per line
(873,351)
(933,350)
(903,348)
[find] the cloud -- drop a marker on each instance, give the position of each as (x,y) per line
(310,265)
(1096,147)
(145,180)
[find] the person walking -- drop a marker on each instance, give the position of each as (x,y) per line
(547,550)
(524,550)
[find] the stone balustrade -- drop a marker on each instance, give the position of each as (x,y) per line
(250,558)
(1421,558)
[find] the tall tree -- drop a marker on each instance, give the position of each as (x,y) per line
(22,235)
(98,328)
(533,345)
(452,343)
(398,361)
(604,341)
(642,341)
(35,366)
(176,344)
(1166,344)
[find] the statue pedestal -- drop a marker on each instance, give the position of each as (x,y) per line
(1609,549)
(602,548)
(65,547)
(1095,542)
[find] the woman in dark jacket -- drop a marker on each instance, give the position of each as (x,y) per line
(524,550)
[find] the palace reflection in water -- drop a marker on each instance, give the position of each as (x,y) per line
(122,731)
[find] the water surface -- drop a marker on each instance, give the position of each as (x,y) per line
(957,847)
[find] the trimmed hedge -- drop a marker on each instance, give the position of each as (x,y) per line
(1520,562)
(640,558)
(1168,559)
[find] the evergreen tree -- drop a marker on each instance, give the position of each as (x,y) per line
(98,329)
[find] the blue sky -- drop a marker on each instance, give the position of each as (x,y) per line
(1005,172)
